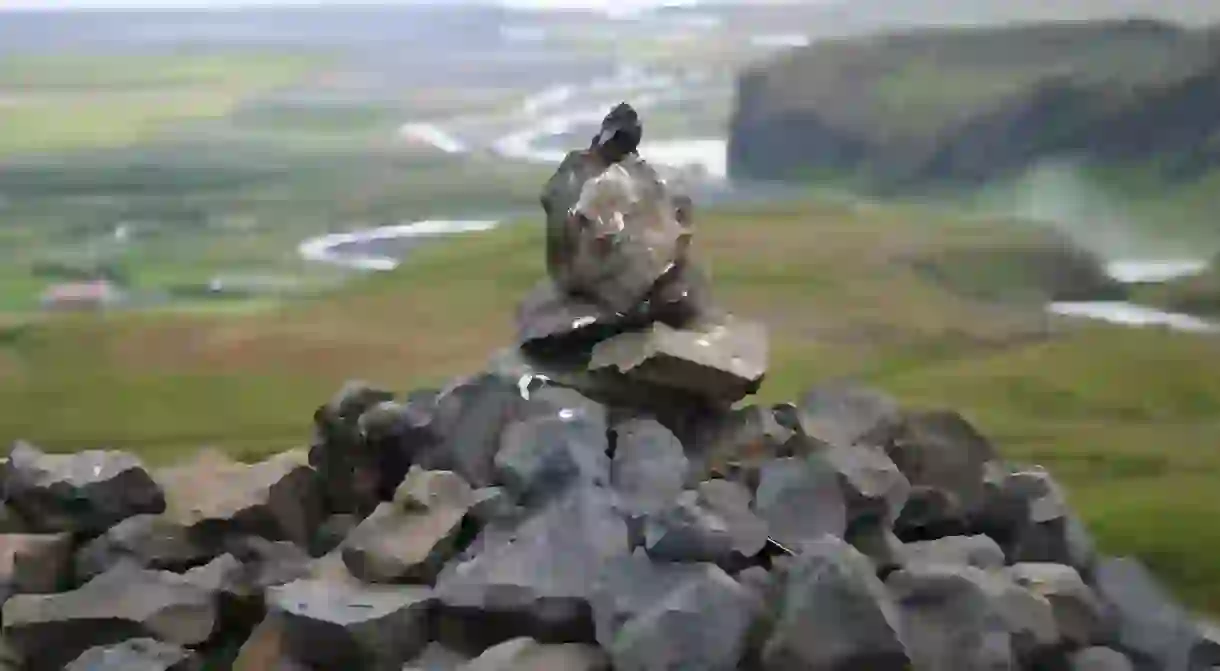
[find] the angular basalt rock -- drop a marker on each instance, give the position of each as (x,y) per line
(721,362)
(534,580)
(137,654)
(671,616)
(34,563)
(215,497)
(85,492)
(148,541)
(48,631)
(348,626)
(410,539)
(800,500)
(836,614)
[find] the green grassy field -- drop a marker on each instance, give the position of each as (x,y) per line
(62,103)
(1128,419)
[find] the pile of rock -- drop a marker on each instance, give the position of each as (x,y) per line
(480,527)
(592,500)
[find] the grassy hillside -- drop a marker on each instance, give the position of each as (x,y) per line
(1129,419)
(970,106)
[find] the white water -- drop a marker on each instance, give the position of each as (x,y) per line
(1129,314)
(329,248)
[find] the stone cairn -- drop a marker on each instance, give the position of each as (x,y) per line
(596,498)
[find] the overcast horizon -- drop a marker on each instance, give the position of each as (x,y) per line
(69,5)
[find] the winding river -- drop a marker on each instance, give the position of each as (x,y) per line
(562,109)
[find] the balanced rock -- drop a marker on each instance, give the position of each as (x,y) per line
(349,626)
(148,541)
(410,539)
(137,654)
(48,631)
(836,614)
(535,580)
(800,500)
(654,616)
(526,654)
(216,497)
(649,466)
(85,492)
(34,563)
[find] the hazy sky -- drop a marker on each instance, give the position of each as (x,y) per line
(54,4)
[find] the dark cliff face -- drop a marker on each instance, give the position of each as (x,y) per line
(802,116)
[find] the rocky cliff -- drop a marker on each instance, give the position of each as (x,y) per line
(971,105)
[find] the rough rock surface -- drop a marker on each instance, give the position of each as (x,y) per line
(84,492)
(589,501)
(137,654)
(48,631)
(343,626)
(215,497)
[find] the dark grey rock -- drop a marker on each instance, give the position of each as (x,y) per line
(879,544)
(1154,631)
(712,524)
(331,533)
(836,614)
(1100,659)
(1027,513)
(731,502)
(535,580)
(48,631)
(410,539)
(671,616)
(687,531)
(735,443)
(649,466)
(800,500)
(437,657)
(874,489)
(978,551)
(397,435)
(34,563)
(526,654)
(962,617)
(215,497)
(542,456)
(85,492)
(1079,616)
(947,461)
(492,504)
(251,566)
(149,541)
(137,654)
(845,414)
(349,626)
(471,416)
(348,465)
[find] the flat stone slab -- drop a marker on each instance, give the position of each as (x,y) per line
(725,361)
